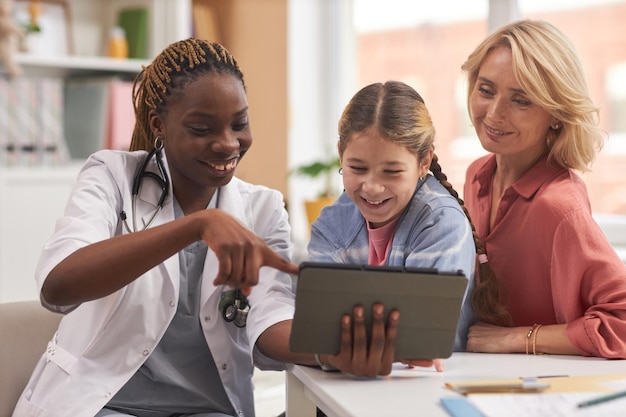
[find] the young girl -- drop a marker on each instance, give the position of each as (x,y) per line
(393,212)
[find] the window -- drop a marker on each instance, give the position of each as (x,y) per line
(426,46)
(615,88)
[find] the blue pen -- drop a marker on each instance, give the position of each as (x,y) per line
(602,399)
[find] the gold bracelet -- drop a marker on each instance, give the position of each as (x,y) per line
(535,340)
(529,334)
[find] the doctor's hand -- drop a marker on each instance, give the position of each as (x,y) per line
(240,252)
(358,358)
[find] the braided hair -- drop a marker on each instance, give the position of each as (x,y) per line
(485,298)
(399,113)
(174,68)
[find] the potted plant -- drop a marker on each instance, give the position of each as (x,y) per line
(319,169)
(31,30)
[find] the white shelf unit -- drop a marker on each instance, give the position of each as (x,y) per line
(69,66)
(92,20)
(169,20)
(32,198)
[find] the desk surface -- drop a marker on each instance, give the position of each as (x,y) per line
(413,392)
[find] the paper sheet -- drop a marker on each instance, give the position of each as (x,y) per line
(545,405)
(562,384)
(560,400)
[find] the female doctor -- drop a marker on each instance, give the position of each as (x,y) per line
(156,264)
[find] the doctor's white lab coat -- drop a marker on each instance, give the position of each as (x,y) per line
(100,344)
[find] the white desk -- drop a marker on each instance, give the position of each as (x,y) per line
(416,392)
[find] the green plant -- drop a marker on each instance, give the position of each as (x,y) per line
(32,28)
(323,169)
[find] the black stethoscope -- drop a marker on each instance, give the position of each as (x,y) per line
(233,303)
(235,307)
(162,180)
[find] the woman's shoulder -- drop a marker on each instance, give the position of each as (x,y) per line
(563,193)
(342,209)
(256,195)
(115,159)
(339,231)
(119,165)
(113,155)
(243,186)
(341,217)
(434,195)
(480,167)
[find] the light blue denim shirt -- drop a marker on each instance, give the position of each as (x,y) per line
(433,232)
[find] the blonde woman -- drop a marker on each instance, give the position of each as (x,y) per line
(558,286)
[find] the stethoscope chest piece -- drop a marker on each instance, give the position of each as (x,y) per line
(234,306)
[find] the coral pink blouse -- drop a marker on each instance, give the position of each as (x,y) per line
(553,262)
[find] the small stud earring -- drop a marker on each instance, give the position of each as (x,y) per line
(556,126)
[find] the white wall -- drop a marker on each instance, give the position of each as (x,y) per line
(322,78)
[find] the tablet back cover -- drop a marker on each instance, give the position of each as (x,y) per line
(429,303)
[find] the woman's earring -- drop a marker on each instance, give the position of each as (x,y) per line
(340,171)
(556,126)
(158,143)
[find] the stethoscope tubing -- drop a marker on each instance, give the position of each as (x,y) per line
(237,311)
(163,181)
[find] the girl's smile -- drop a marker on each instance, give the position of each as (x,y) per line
(379,175)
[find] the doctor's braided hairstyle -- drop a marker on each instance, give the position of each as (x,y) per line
(398,113)
(175,67)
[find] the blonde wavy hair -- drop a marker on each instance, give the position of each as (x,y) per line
(548,69)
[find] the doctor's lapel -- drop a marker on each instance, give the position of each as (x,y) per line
(232,202)
(147,200)
(149,195)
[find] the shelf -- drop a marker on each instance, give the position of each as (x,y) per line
(39,172)
(63,66)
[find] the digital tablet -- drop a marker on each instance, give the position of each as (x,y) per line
(429,302)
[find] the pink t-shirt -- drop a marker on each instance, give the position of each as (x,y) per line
(380,242)
(552,261)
